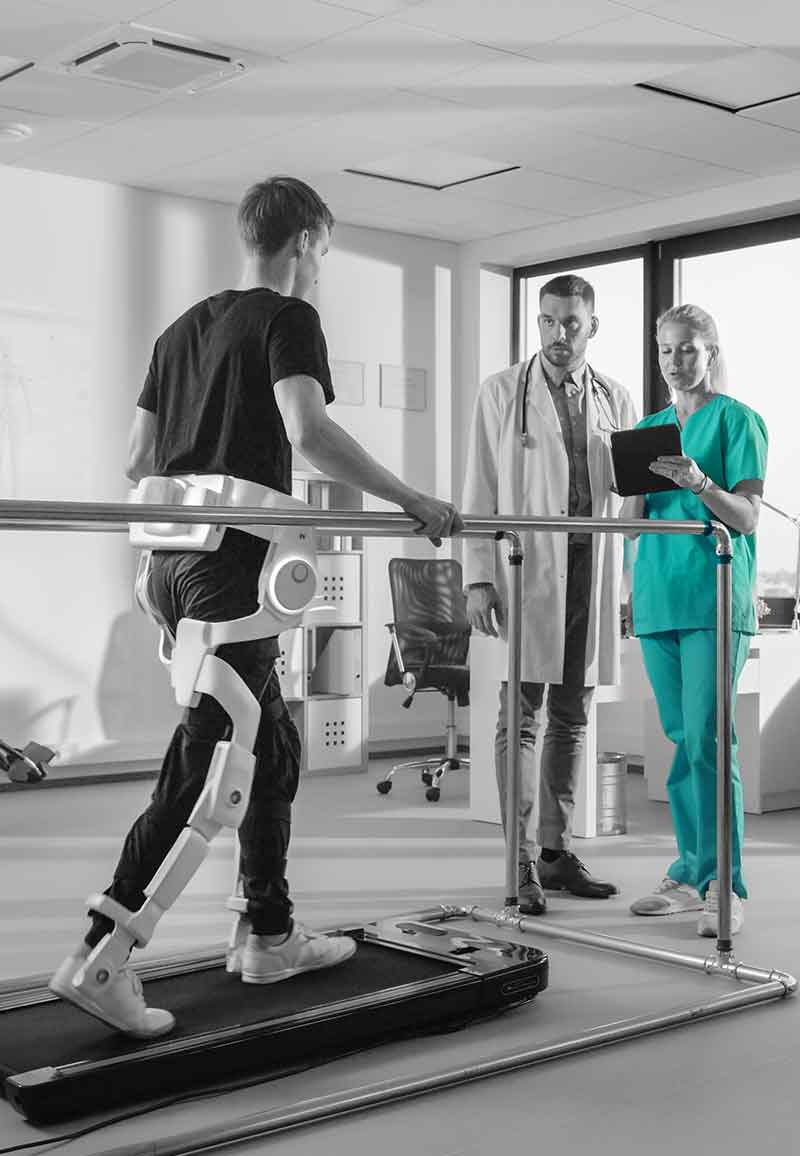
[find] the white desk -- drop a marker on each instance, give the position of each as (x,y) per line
(624,718)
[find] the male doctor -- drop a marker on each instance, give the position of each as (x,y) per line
(540,445)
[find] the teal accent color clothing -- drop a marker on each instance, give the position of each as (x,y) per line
(681,666)
(674,577)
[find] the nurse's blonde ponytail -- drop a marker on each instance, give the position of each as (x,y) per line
(704,325)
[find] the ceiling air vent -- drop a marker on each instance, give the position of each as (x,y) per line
(140,58)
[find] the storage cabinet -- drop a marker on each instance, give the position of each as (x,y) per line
(321,663)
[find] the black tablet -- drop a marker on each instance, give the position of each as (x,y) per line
(632,451)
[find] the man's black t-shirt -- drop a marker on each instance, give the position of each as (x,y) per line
(210,384)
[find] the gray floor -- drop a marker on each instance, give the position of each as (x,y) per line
(724,1086)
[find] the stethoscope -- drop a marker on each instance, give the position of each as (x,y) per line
(600,391)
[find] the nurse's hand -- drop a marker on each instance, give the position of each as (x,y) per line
(684,472)
(481,601)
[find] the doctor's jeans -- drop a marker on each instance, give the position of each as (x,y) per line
(215,587)
(682,666)
(565,735)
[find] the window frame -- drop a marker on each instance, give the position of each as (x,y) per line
(660,283)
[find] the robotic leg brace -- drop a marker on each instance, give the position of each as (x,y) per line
(102,983)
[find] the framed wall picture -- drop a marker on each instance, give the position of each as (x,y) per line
(402,387)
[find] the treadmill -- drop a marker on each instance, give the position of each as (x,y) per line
(410,976)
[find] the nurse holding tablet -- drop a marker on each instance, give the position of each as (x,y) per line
(719,474)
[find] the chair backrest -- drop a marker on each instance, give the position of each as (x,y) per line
(429,594)
(428,590)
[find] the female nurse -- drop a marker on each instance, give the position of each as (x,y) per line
(719,475)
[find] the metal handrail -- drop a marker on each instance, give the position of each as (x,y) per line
(85,516)
(765,984)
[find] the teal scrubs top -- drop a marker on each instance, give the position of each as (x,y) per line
(674,575)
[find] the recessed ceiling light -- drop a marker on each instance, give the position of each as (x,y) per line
(14,132)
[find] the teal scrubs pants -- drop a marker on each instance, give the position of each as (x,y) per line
(681,665)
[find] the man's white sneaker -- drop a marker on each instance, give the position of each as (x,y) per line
(708,923)
(668,898)
(117,1001)
(302,950)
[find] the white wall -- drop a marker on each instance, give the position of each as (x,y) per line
(91,273)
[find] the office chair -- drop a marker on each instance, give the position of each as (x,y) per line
(430,648)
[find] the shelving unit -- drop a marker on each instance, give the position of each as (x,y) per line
(322,662)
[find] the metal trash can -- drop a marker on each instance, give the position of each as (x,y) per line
(612,771)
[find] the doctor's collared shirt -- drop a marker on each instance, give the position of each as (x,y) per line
(569,401)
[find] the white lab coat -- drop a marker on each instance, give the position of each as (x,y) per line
(502,477)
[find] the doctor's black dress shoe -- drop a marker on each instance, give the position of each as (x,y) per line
(531,896)
(567,873)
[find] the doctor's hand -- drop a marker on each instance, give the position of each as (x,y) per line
(436,519)
(481,601)
(684,472)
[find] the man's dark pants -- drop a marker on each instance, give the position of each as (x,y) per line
(216,587)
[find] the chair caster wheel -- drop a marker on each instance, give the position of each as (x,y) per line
(432,794)
(427,777)
(384,786)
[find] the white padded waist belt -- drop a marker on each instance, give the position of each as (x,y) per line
(202,490)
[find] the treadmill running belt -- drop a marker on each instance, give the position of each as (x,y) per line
(406,977)
(204,1001)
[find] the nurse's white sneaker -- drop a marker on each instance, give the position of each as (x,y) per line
(668,898)
(708,923)
(302,950)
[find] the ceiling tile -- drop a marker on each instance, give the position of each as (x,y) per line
(387,53)
(110,11)
(548,148)
(31,30)
(397,222)
(765,23)
(562,196)
(637,116)
(406,119)
(636,48)
(343,191)
(59,94)
(492,217)
(752,75)
(47,131)
(327,145)
(511,85)
(269,27)
(514,25)
(10,64)
(432,166)
(176,132)
(374,7)
(440,207)
(785,113)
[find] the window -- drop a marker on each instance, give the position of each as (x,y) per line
(752,293)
